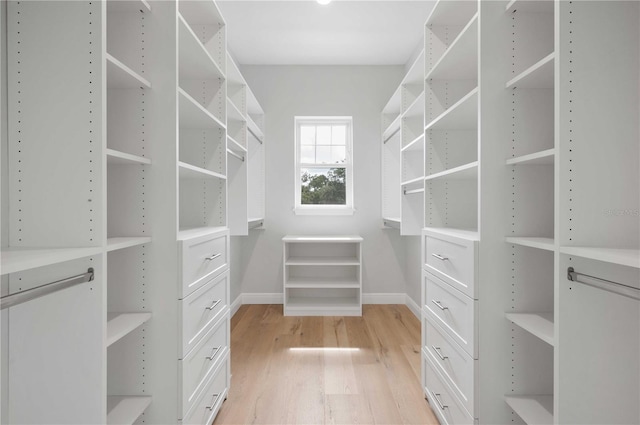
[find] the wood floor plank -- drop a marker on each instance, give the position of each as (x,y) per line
(295,370)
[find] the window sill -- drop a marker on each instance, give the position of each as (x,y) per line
(320,210)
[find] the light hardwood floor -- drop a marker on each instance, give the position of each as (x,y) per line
(325,370)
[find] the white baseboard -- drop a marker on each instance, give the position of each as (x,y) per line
(383,298)
(257,298)
(371,298)
(235,305)
(413,306)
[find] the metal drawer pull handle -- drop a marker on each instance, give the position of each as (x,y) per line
(437,350)
(213,305)
(214,351)
(437,397)
(439,305)
(214,400)
(213,257)
(439,257)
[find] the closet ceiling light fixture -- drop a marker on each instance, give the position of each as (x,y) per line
(324,2)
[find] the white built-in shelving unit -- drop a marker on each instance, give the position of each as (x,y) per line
(403,153)
(515,163)
(322,275)
(103,184)
(245,149)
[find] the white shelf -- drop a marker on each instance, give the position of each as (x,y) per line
(188,171)
(460,60)
(120,76)
(235,146)
(534,6)
(195,61)
(546,157)
(467,171)
(15,260)
(416,109)
(121,324)
(320,283)
(128,6)
(121,158)
(416,71)
(462,115)
(532,242)
(195,232)
(447,12)
(233,112)
(125,410)
(392,128)
(415,144)
(540,325)
(622,257)
(201,12)
(393,105)
(322,238)
(535,409)
(114,244)
(538,76)
(234,76)
(258,133)
(328,303)
(412,181)
(322,261)
(194,115)
(471,235)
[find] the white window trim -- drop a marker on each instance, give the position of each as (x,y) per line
(348,208)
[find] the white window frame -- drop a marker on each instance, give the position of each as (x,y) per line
(348,207)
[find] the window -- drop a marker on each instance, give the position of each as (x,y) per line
(324,165)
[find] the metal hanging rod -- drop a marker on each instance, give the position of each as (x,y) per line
(46,289)
(254,135)
(607,285)
(232,153)
(390,223)
(391,135)
(409,192)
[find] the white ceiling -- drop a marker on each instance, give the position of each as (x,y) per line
(345,32)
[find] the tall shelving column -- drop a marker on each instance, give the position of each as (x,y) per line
(256,145)
(451,117)
(412,149)
(245,148)
(451,237)
(128,153)
(202,106)
(53,220)
(530,158)
(598,203)
(391,145)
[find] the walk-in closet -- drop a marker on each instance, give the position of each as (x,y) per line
(287,212)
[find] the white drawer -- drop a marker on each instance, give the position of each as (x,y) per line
(196,367)
(454,364)
(208,404)
(452,260)
(443,402)
(200,309)
(203,258)
(453,311)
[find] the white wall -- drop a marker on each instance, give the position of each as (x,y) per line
(358,91)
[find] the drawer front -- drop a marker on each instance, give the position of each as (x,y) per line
(198,364)
(452,260)
(208,404)
(446,406)
(200,309)
(453,363)
(453,311)
(202,259)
